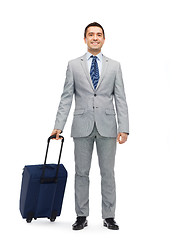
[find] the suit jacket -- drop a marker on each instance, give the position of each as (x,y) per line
(94,105)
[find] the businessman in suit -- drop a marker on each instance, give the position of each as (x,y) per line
(95,80)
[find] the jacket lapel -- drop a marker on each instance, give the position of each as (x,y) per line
(103,71)
(85,68)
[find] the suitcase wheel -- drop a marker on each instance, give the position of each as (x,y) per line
(52,219)
(53,216)
(29,220)
(29,217)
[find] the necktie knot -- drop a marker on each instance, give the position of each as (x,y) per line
(94,57)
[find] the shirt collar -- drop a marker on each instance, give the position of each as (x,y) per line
(99,56)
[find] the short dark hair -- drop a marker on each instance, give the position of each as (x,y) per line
(94,24)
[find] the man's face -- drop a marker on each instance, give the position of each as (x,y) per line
(94,39)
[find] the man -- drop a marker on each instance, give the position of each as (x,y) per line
(94,80)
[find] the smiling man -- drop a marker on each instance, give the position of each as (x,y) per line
(95,80)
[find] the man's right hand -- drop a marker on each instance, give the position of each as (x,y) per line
(57,133)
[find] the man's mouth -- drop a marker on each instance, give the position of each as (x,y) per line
(94,43)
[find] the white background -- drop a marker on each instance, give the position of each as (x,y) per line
(37,39)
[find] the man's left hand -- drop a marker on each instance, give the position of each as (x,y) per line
(122,137)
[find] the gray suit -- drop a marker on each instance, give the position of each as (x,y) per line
(94,120)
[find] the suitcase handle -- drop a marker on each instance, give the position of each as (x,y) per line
(54,136)
(44,166)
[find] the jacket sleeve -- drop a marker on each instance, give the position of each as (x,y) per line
(120,102)
(66,100)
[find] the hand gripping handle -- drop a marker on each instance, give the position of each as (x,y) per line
(54,136)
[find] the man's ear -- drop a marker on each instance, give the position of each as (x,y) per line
(85,40)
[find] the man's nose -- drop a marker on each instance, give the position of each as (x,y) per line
(95,37)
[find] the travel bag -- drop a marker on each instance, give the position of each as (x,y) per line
(42,188)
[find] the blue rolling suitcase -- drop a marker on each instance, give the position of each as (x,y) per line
(43,188)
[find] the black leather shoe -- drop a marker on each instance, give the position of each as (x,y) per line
(80,223)
(110,224)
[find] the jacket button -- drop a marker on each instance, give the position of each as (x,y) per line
(95,94)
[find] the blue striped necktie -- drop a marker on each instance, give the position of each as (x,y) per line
(94,71)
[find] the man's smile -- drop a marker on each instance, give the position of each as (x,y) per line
(95,43)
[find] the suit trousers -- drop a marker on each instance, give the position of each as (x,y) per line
(106,150)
